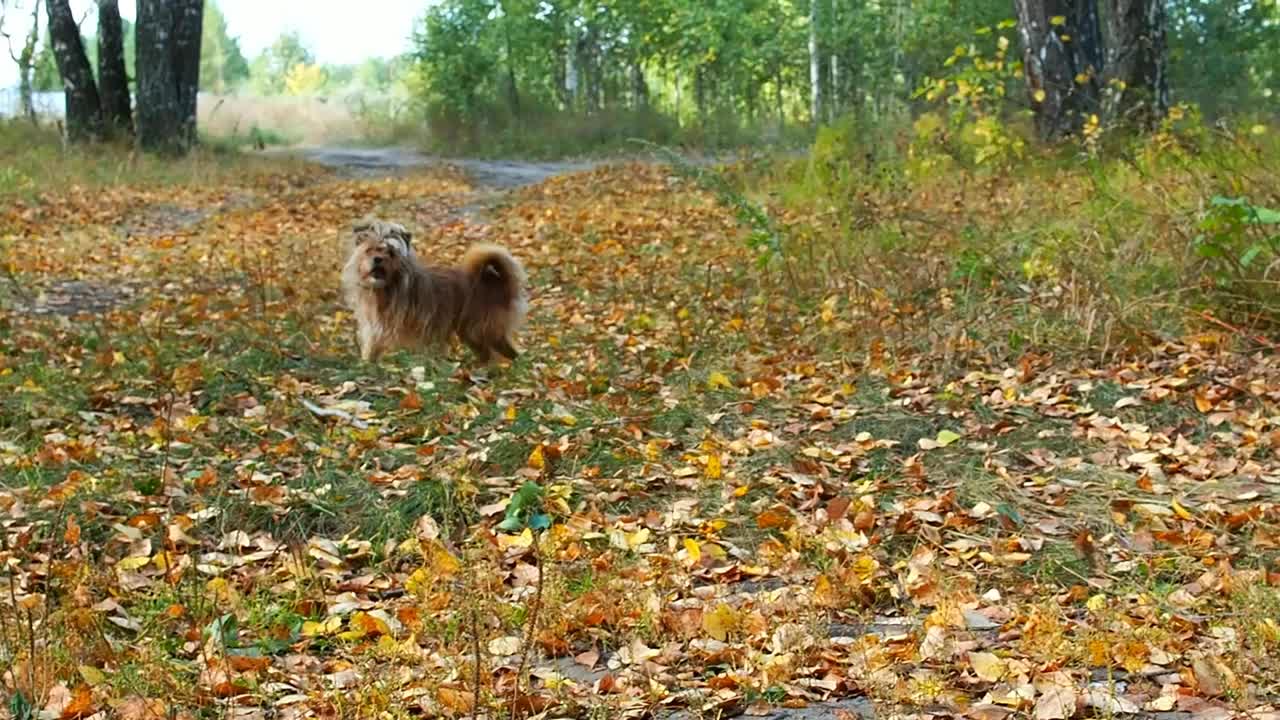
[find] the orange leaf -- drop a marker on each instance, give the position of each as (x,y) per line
(81,705)
(456,700)
(1203,404)
(775,517)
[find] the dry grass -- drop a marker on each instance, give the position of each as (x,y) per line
(303,120)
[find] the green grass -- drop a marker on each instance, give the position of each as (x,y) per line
(36,161)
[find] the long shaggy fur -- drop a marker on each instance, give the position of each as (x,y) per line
(401,302)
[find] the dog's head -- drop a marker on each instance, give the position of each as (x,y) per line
(382,252)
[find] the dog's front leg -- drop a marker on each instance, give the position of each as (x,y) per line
(370,345)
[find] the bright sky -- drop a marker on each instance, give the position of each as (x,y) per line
(336,31)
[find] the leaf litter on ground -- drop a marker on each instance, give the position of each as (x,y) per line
(696,491)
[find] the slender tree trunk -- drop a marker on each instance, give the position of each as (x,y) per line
(834,101)
(168,40)
(84,111)
(815,65)
(1062,61)
(1137,56)
(777,99)
(679,98)
(571,69)
(513,91)
(113,80)
(700,94)
(24,59)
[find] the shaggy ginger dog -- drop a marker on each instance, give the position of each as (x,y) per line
(401,302)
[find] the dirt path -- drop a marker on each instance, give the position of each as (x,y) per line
(485,174)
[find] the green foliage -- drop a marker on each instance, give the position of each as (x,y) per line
(1225,55)
(973,89)
(223,66)
(270,69)
(525,510)
(303,79)
(1241,243)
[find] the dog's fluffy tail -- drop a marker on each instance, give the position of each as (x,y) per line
(500,278)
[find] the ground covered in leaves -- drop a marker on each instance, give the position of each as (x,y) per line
(701,492)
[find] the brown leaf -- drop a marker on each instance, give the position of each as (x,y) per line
(135,707)
(456,699)
(1058,697)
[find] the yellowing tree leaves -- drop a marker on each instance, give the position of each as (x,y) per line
(719,622)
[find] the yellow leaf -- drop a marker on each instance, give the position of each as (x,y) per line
(440,562)
(536,460)
(523,540)
(92,675)
(133,563)
(946,437)
(311,628)
(1181,511)
(718,380)
(1258,130)
(510,414)
(417,582)
(987,666)
(720,622)
(824,592)
(693,550)
(1040,96)
(637,538)
(713,470)
(1058,20)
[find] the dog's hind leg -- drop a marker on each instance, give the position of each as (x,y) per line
(503,346)
(480,349)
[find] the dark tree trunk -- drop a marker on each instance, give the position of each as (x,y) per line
(513,92)
(84,111)
(1137,52)
(168,40)
(113,81)
(1062,61)
(186,37)
(639,87)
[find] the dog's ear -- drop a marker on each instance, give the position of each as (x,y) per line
(363,229)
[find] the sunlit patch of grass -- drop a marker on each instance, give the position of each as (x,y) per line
(37,161)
